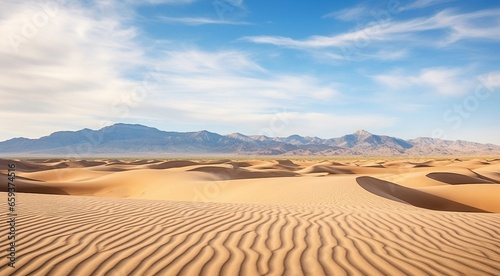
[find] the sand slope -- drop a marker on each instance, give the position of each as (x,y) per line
(111,217)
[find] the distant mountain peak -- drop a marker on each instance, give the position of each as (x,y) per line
(203,132)
(139,140)
(362,132)
(205,135)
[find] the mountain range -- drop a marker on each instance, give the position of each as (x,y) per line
(138,140)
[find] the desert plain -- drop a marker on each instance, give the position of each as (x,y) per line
(354,216)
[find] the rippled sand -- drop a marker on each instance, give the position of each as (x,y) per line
(264,217)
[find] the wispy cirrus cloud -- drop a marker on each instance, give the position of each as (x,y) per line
(231,76)
(233,3)
(443,81)
(383,55)
(231,90)
(364,11)
(80,65)
(454,27)
(71,71)
(158,2)
(193,61)
(195,21)
(82,62)
(349,14)
(421,4)
(387,54)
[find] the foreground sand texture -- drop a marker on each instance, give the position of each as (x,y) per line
(267,217)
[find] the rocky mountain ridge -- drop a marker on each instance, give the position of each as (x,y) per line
(132,140)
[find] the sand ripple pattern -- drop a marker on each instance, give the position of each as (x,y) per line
(76,235)
(255,217)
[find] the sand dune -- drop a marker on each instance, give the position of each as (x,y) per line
(264,217)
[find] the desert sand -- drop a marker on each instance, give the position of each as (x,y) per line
(256,217)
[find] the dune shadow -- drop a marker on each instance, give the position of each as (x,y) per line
(286,162)
(172,164)
(84,163)
(239,173)
(240,164)
(456,179)
(327,169)
(410,196)
(422,166)
(488,178)
(24,187)
(20,178)
(32,166)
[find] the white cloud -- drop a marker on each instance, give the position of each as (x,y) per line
(237,3)
(333,56)
(195,61)
(388,55)
(227,89)
(157,2)
(228,78)
(393,81)
(444,81)
(68,64)
(490,80)
(195,21)
(232,72)
(78,70)
(384,55)
(349,14)
(420,4)
(362,11)
(455,27)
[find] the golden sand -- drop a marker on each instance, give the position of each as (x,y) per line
(263,217)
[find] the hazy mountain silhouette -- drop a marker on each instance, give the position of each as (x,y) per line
(139,140)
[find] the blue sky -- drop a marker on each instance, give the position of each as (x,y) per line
(322,68)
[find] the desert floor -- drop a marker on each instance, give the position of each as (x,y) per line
(255,217)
